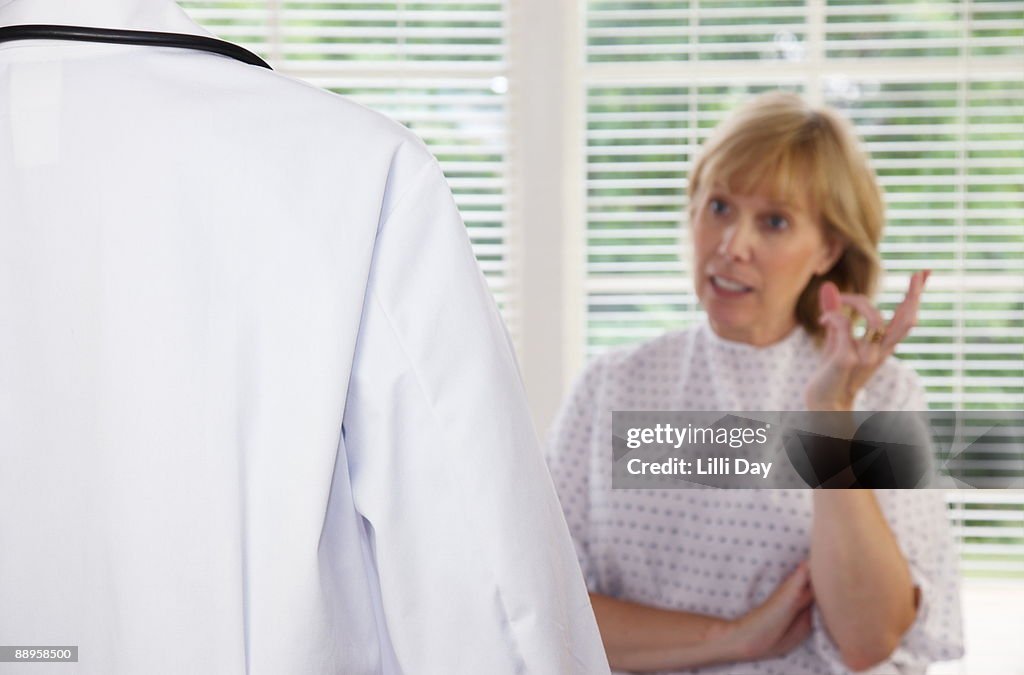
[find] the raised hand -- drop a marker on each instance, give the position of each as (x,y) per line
(848,362)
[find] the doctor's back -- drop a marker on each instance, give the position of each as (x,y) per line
(258,413)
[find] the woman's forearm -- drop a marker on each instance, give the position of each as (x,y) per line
(642,638)
(861,580)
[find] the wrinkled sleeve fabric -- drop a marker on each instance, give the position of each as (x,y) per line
(474,563)
(569,454)
(920,524)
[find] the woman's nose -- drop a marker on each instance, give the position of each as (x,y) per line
(737,242)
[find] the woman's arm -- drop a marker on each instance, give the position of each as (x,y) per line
(861,580)
(641,638)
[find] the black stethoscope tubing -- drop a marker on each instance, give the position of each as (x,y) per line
(131,37)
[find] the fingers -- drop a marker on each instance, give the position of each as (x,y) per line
(905,316)
(799,629)
(828,301)
(869,348)
(829,298)
(830,335)
(793,616)
(763,627)
(838,334)
(805,598)
(869,351)
(865,309)
(838,328)
(798,578)
(802,626)
(797,632)
(794,593)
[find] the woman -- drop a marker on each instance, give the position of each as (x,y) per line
(786,217)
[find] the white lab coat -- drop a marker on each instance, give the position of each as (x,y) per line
(258,411)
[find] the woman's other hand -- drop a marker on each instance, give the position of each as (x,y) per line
(776,626)
(849,362)
(641,638)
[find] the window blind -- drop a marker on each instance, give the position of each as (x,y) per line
(437,66)
(936,92)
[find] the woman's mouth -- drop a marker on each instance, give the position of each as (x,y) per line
(729,287)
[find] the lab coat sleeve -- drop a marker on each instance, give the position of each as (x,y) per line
(919,521)
(466,539)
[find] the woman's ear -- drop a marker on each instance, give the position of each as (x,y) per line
(833,250)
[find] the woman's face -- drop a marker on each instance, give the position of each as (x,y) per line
(754,255)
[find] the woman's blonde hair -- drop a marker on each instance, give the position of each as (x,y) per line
(780,142)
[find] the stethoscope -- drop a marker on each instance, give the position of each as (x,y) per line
(131,37)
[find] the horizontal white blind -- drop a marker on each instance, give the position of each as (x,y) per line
(908,29)
(323,35)
(936,92)
(671,30)
(950,156)
(990,531)
(739,30)
(437,66)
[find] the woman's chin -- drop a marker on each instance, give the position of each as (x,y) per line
(730,325)
(728,312)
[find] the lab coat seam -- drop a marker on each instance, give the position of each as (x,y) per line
(375,296)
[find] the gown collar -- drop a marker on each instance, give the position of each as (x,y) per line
(795,341)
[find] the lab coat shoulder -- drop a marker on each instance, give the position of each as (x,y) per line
(337,146)
(398,155)
(313,109)
(326,114)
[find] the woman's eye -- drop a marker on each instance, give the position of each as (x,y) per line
(718,206)
(777,222)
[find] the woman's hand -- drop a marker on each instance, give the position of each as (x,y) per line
(641,638)
(776,626)
(848,363)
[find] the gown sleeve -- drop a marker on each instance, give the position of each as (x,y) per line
(920,524)
(468,548)
(569,449)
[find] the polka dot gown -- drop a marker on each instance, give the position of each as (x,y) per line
(722,552)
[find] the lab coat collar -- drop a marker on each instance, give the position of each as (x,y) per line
(151,15)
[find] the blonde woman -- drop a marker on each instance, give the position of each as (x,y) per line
(786,217)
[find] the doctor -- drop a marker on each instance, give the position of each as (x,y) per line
(259,413)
